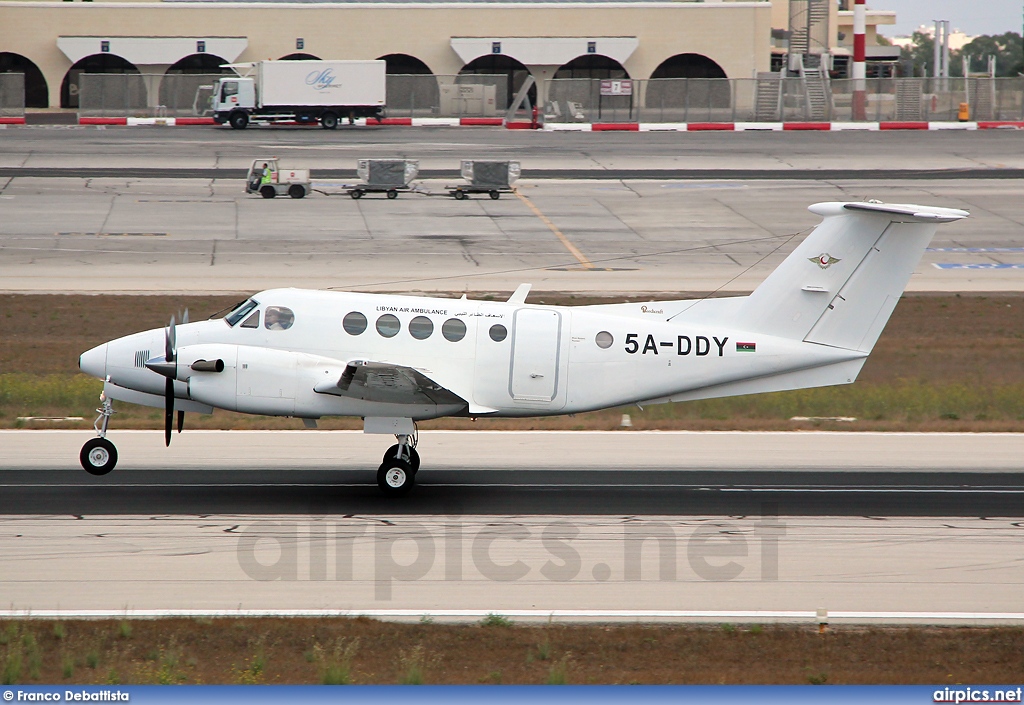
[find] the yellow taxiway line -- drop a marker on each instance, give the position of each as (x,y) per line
(573,250)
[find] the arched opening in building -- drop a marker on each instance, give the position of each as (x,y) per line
(706,89)
(131,92)
(37,94)
(200,63)
(405,65)
(592,66)
(576,90)
(299,56)
(178,89)
(412,88)
(514,72)
(688,66)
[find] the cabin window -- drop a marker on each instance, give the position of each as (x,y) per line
(278,318)
(453,330)
(604,339)
(241,311)
(252,321)
(388,325)
(354,323)
(421,327)
(498,332)
(228,89)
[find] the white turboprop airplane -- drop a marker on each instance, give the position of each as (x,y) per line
(396,360)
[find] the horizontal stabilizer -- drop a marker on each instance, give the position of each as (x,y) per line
(907,213)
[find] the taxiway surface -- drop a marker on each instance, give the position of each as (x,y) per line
(643,212)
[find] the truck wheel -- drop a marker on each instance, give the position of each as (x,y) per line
(296,191)
(392,194)
(329,121)
(459,194)
(238,121)
(356,193)
(495,195)
(268,191)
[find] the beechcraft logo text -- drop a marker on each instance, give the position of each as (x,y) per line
(824,260)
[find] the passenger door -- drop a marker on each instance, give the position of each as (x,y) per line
(536,341)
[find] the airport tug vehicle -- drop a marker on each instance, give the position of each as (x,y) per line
(266,178)
(396,360)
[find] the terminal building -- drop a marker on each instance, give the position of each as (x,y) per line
(54,43)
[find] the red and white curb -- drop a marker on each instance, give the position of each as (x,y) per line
(778,126)
(191,121)
(580,127)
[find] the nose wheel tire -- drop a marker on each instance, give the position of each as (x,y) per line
(98,456)
(395,477)
(414,457)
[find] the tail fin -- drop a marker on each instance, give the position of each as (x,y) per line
(841,284)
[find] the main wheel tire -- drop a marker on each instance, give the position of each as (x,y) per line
(459,194)
(495,195)
(296,191)
(238,121)
(356,193)
(268,191)
(414,457)
(329,121)
(395,477)
(98,456)
(392,194)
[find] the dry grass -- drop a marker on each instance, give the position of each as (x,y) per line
(944,363)
(365,651)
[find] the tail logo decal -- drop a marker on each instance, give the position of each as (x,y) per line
(824,260)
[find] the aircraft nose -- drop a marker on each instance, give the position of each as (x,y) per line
(94,362)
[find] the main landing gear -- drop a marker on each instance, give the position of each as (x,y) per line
(397,474)
(99,456)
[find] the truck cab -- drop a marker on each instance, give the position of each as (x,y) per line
(233,98)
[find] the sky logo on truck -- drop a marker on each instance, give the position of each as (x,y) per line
(321,80)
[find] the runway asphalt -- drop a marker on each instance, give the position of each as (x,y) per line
(616,473)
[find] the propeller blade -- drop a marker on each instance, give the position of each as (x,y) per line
(169,344)
(168,410)
(184,317)
(181,420)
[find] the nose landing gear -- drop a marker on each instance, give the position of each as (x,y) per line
(99,456)
(397,474)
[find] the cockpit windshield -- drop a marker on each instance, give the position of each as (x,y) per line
(240,311)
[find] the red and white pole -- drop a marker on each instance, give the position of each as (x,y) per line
(859,67)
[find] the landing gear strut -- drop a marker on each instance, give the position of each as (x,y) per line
(99,456)
(397,474)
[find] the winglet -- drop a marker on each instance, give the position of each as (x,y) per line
(519,295)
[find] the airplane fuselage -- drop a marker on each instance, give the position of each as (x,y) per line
(497,358)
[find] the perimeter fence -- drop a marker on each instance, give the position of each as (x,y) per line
(576,100)
(12,94)
(777,99)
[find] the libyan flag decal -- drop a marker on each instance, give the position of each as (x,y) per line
(746,347)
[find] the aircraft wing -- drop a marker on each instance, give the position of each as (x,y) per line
(389,383)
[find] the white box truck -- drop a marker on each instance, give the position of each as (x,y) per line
(303,91)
